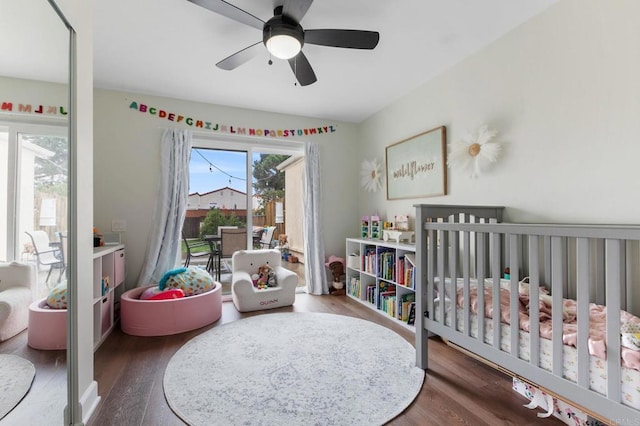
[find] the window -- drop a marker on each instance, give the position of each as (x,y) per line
(33,181)
(242,178)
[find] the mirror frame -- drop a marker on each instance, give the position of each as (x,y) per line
(73,410)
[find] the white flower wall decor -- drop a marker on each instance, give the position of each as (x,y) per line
(370,175)
(474,153)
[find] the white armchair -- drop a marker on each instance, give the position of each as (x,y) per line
(248,298)
(17,283)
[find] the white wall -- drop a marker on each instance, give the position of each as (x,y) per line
(126,165)
(563,92)
(294,205)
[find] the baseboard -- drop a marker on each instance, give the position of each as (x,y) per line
(89,401)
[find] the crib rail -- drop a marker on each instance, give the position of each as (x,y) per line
(581,262)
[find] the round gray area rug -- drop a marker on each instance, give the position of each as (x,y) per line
(16,376)
(293,369)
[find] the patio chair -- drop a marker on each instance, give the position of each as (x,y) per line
(62,238)
(199,253)
(221,227)
(232,240)
(46,254)
(267,237)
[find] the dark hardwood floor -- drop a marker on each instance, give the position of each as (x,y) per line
(44,403)
(129,371)
(457,389)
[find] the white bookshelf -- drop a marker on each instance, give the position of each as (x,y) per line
(377,278)
(108,262)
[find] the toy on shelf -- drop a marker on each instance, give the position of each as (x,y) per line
(400,232)
(105,285)
(402,222)
(376,228)
(364,227)
(97,238)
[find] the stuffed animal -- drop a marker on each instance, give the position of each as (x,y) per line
(267,276)
(191,280)
(257,282)
(336,265)
(154,293)
(57,298)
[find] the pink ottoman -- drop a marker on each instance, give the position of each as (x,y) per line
(47,327)
(165,317)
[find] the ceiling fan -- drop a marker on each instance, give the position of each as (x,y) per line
(284,37)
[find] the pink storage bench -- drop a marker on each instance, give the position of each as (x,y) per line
(166,317)
(47,327)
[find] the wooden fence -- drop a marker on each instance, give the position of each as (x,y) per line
(270,217)
(191,227)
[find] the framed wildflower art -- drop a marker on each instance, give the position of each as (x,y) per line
(417,166)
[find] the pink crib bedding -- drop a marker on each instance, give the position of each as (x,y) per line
(597,332)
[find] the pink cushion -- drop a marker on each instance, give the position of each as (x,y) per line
(47,326)
(154,293)
(172,316)
(172,293)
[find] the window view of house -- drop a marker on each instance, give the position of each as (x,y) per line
(219,209)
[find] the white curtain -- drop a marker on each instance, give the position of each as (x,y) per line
(163,247)
(315,273)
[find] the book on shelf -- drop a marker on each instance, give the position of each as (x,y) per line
(409,268)
(412,314)
(354,287)
(404,306)
(387,264)
(370,260)
(400,270)
(409,278)
(385,289)
(388,304)
(411,258)
(371,294)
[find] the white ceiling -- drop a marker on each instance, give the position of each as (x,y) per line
(34,44)
(170,48)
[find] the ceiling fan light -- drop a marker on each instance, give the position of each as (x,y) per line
(283,46)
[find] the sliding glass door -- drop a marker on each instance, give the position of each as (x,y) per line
(239,186)
(34,184)
(4,191)
(217,191)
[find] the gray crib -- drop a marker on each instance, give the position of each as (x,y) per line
(465,249)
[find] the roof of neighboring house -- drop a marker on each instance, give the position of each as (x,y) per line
(217,190)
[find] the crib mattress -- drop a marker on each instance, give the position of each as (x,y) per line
(629,381)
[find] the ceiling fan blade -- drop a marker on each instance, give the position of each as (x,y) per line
(296,9)
(234,61)
(351,39)
(230,11)
(302,70)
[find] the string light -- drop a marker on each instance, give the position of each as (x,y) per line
(212,166)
